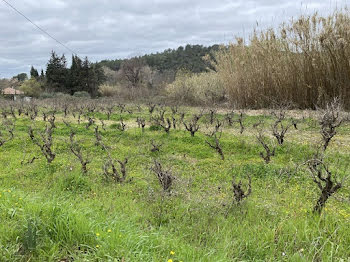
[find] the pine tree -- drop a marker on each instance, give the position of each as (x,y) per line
(81,76)
(90,80)
(56,73)
(34,73)
(75,74)
(42,75)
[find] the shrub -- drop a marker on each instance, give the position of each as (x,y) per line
(63,95)
(55,95)
(204,88)
(32,87)
(46,95)
(109,90)
(82,94)
(155,128)
(75,183)
(123,91)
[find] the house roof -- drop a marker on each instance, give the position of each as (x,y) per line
(12,91)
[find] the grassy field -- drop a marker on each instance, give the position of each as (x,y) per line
(55,212)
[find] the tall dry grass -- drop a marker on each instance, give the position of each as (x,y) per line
(196,89)
(305,61)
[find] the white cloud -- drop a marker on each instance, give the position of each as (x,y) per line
(109,29)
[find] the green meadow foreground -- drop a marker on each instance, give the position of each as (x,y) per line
(56,212)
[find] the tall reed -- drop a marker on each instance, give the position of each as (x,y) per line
(305,61)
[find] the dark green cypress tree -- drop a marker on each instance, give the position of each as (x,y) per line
(56,73)
(75,75)
(34,73)
(92,76)
(42,75)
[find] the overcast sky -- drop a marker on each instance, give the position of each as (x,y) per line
(109,29)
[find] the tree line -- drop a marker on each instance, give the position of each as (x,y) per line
(189,58)
(81,76)
(84,76)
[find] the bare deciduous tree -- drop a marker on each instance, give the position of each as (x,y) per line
(90,122)
(80,113)
(212,115)
(4,114)
(174,109)
(20,110)
(111,171)
(217,146)
(238,192)
(121,107)
(325,180)
(30,161)
(51,119)
(329,121)
(44,116)
(141,122)
(98,137)
(151,108)
(269,149)
(91,107)
(166,126)
(65,108)
(182,116)
(162,111)
(109,110)
(45,144)
(218,125)
(121,126)
(165,177)
(76,149)
(132,71)
(280,127)
(103,125)
(155,147)
(174,121)
(12,111)
(192,126)
(240,121)
(229,118)
(199,115)
(9,128)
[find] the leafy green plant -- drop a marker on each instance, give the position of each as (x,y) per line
(29,241)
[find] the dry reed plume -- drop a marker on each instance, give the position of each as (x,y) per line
(306,61)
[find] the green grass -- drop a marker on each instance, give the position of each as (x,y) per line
(53,212)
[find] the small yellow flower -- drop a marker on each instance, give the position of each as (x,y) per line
(170,260)
(109,230)
(97,246)
(9,191)
(97,234)
(172,253)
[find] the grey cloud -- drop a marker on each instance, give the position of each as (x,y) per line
(108,29)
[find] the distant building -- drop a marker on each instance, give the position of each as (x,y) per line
(12,93)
